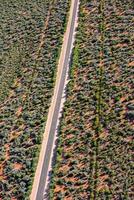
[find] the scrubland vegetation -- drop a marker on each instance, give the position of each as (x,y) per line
(94,153)
(30,40)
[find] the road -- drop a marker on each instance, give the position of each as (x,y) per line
(45,158)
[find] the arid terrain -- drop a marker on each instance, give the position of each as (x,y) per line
(93,158)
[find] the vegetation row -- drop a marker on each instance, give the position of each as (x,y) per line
(94,153)
(30,41)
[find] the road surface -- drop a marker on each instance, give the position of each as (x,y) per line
(41,175)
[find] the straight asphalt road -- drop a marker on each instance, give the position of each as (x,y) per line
(53,126)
